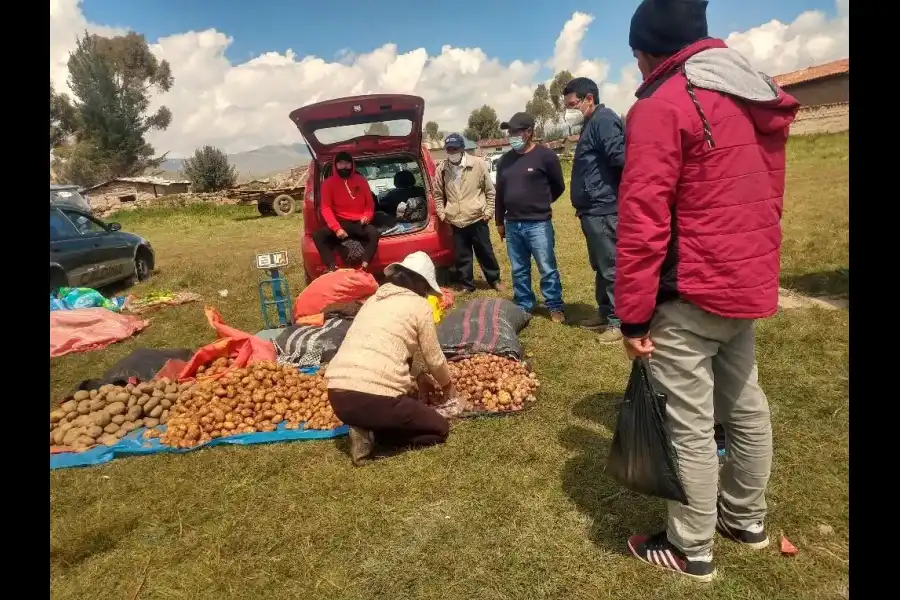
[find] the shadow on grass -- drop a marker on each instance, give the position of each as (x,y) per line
(249,218)
(616,513)
(823,283)
(124,287)
(576,312)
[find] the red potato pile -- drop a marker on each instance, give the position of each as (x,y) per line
(490,383)
(248,400)
(110,412)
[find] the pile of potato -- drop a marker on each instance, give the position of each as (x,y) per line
(105,415)
(215,367)
(247,400)
(490,383)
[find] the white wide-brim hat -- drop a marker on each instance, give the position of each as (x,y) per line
(420,264)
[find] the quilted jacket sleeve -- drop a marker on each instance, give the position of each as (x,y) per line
(609,134)
(653,145)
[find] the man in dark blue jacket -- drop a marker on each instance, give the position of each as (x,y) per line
(594,189)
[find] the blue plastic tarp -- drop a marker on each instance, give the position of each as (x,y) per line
(134,444)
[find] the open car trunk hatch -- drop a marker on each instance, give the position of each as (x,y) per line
(360,125)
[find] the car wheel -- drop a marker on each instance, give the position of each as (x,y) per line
(57,280)
(142,266)
(283,205)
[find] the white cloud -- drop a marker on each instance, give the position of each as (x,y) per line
(244,106)
(66,22)
(812,38)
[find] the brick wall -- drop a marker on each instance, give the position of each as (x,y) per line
(829,118)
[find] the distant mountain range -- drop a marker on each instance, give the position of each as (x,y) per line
(258,163)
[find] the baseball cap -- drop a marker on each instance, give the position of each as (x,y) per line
(454,140)
(518,122)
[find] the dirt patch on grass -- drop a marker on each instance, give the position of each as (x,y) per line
(788,300)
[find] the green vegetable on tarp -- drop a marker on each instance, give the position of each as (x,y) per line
(154,297)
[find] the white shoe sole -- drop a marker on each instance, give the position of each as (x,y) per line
(722,531)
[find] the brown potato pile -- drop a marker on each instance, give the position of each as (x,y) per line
(490,383)
(247,400)
(105,415)
(219,365)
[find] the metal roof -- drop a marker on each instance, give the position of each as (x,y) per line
(439,144)
(148,180)
(838,67)
(494,143)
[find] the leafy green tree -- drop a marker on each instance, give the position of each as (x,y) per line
(208,170)
(62,118)
(483,124)
(432,131)
(112,80)
(556,88)
(555,133)
(542,109)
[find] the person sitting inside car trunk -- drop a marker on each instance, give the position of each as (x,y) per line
(405,189)
(347,209)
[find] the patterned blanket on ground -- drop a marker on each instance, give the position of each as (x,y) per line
(309,346)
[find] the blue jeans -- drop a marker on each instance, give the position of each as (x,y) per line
(600,234)
(524,240)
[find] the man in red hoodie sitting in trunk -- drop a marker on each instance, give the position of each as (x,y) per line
(347,208)
(697,262)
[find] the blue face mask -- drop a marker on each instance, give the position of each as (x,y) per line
(516,142)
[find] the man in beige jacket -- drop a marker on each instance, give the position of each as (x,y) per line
(464,197)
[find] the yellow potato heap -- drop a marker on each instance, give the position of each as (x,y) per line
(108,413)
(215,367)
(247,400)
(490,383)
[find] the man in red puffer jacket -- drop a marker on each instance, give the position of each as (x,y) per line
(698,259)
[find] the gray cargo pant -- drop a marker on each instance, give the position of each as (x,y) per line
(706,365)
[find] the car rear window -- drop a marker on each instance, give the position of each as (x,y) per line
(342,133)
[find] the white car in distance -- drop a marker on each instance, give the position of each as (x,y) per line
(492,165)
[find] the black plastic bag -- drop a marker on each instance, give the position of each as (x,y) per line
(642,457)
(143,364)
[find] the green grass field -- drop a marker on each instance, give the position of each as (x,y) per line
(509,509)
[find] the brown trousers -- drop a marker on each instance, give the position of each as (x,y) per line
(395,422)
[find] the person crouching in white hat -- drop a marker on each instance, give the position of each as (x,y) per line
(392,340)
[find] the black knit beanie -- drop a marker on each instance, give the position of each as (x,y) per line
(664,27)
(343,157)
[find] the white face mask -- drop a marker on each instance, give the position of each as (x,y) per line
(455,159)
(574,118)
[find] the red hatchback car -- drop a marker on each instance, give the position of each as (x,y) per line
(383,133)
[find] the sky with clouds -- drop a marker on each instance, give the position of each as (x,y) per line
(238,75)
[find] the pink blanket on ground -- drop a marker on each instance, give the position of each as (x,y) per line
(86,329)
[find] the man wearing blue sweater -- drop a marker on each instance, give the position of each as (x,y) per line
(594,189)
(529,180)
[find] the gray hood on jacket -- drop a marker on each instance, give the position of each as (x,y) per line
(727,71)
